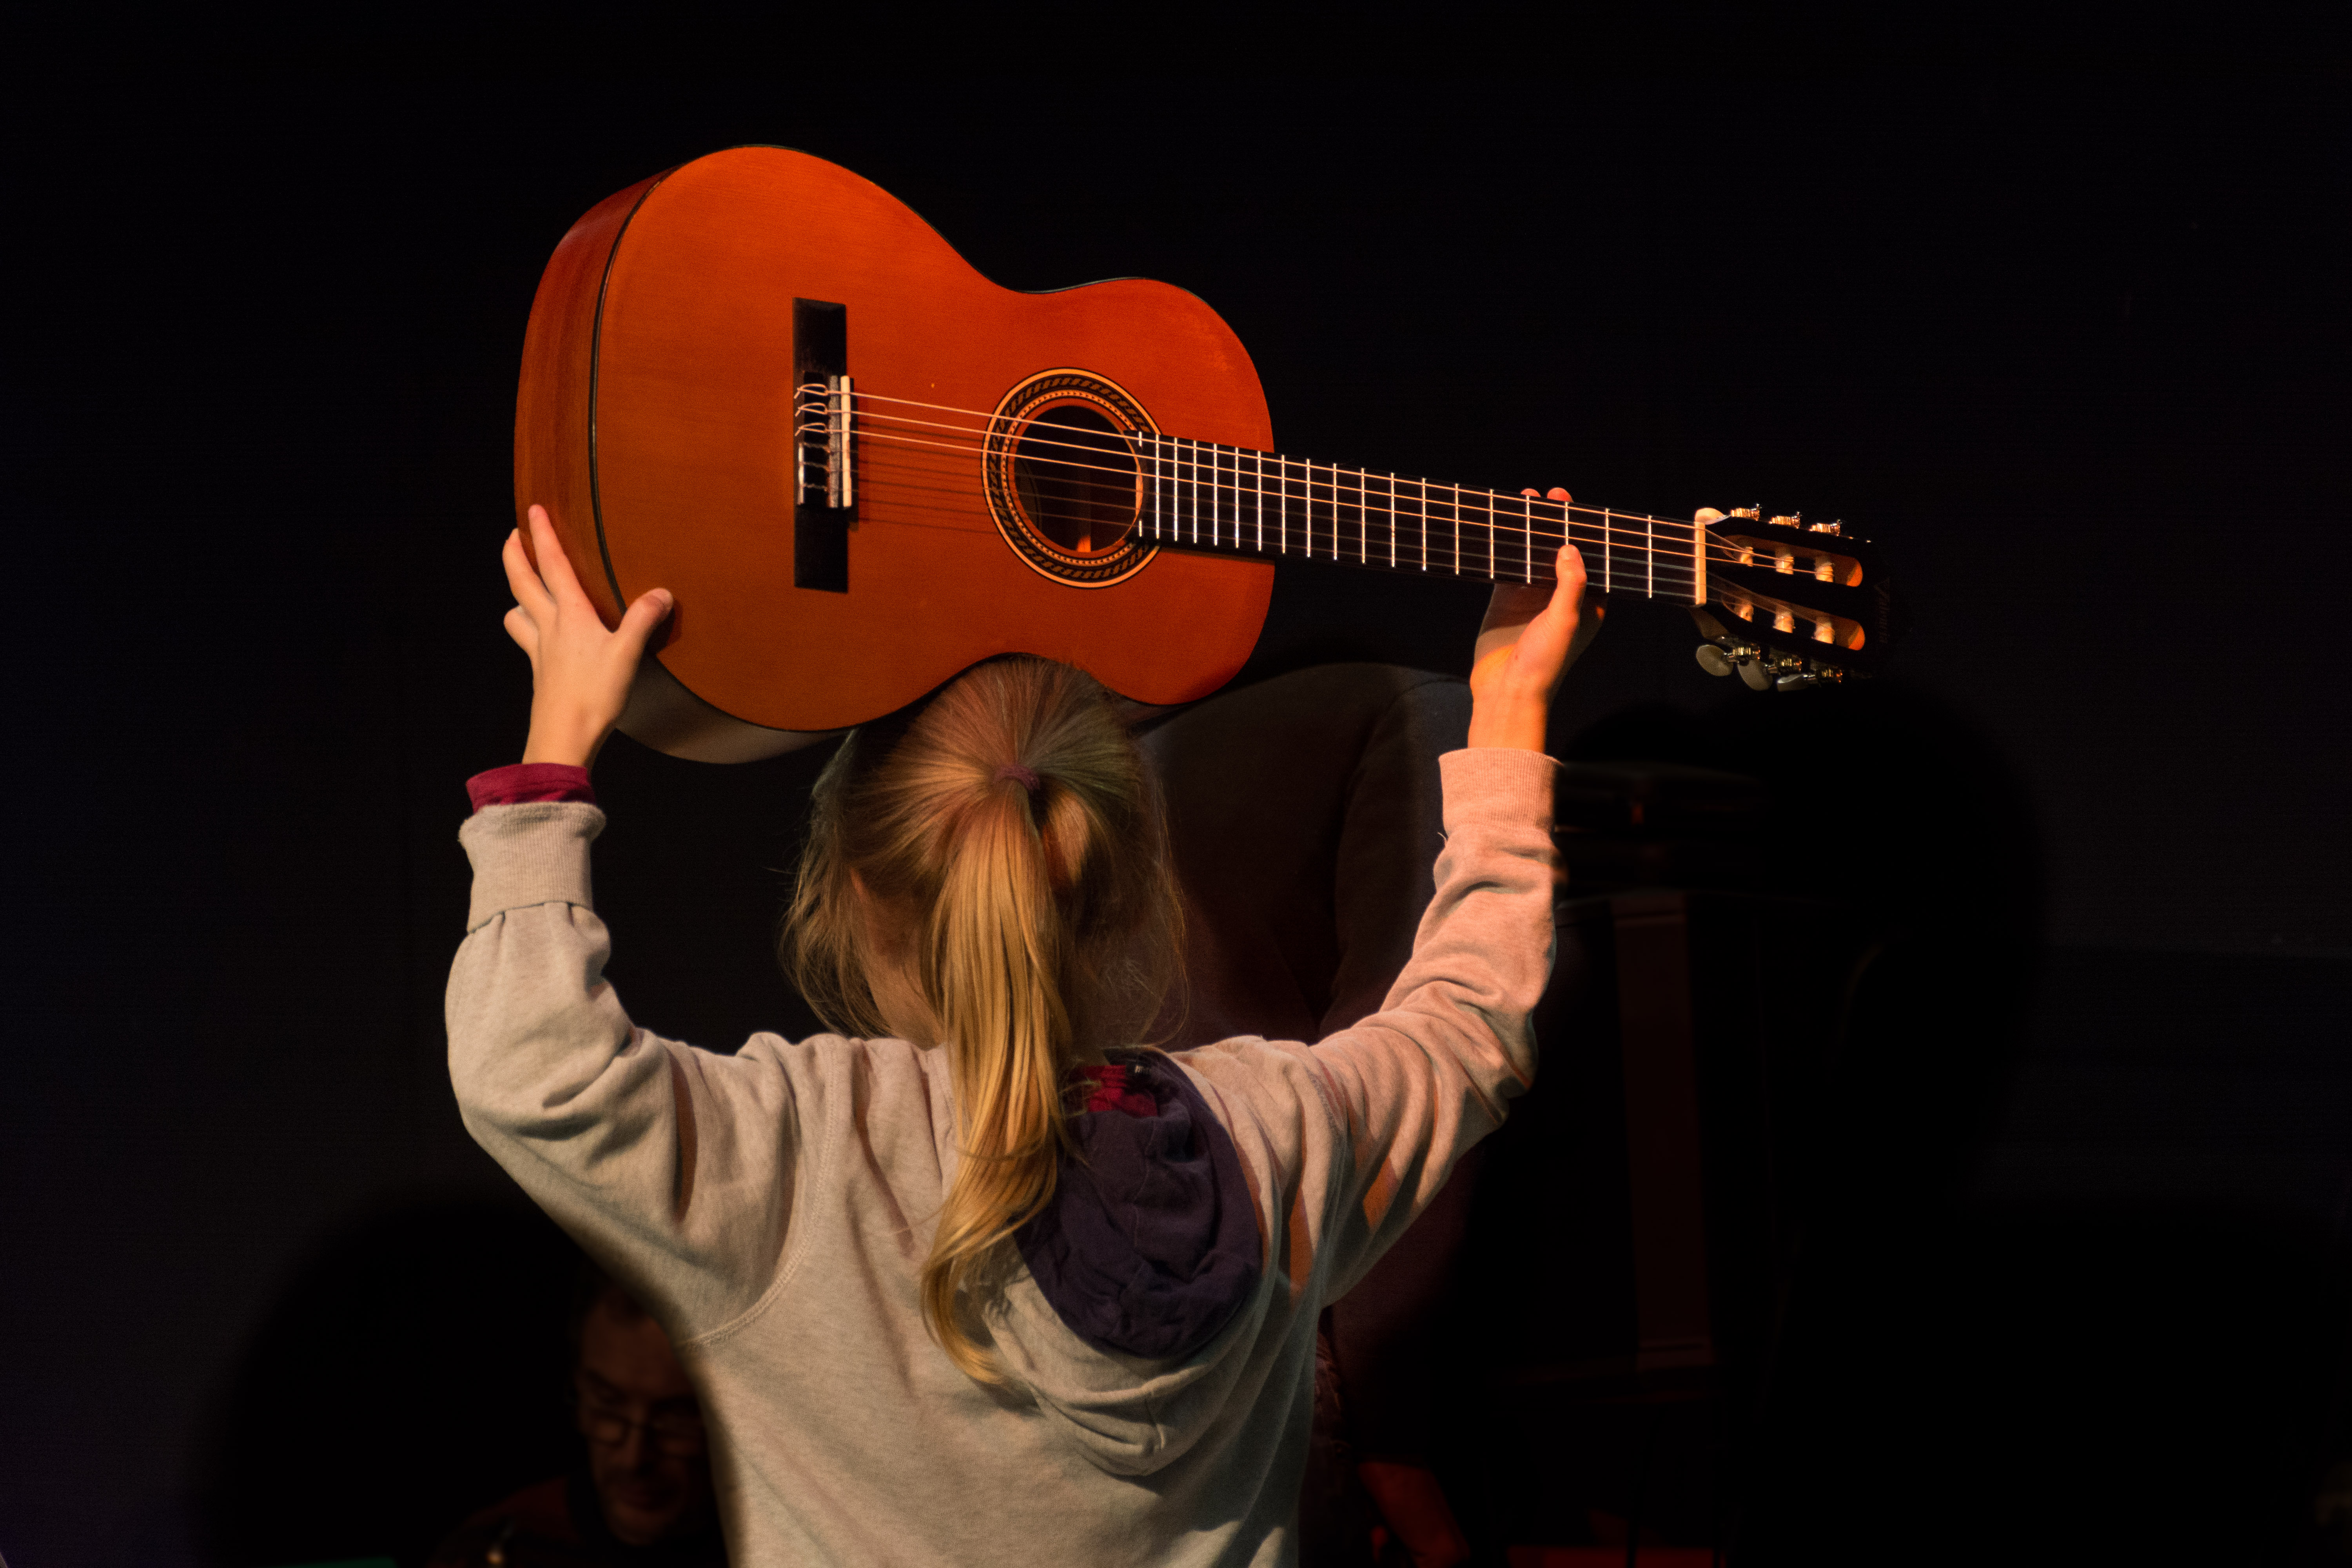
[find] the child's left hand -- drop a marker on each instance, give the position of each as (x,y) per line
(580,673)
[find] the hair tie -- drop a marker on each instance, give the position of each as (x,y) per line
(1022,776)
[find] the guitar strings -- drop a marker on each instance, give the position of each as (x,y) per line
(989,420)
(1281,477)
(1665,568)
(1030,438)
(1674,578)
(1231,518)
(1674,583)
(1228,482)
(1606,524)
(1510,530)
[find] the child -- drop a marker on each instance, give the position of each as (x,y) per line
(988,1284)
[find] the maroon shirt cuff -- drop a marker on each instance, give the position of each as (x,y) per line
(523,784)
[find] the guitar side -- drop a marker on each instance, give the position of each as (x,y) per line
(680,446)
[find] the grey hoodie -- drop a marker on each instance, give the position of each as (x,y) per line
(774,1208)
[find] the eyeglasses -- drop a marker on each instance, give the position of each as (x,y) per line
(677,1433)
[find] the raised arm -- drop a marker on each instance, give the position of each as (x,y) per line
(672,1165)
(1431,1073)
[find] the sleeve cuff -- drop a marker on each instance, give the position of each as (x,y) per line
(1488,786)
(529,784)
(534,853)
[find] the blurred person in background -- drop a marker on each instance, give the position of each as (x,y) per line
(643,1494)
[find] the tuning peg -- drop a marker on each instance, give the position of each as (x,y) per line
(1794,682)
(1713,659)
(1752,671)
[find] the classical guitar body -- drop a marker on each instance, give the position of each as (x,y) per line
(760,382)
(660,422)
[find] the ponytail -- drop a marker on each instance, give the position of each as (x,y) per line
(1008,832)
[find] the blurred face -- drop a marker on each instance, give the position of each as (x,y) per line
(646,1451)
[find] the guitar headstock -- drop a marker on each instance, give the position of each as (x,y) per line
(1790,603)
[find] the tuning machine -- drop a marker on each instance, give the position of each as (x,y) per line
(1762,670)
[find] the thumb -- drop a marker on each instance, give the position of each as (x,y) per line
(651,608)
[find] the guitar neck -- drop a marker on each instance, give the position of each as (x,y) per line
(1235,501)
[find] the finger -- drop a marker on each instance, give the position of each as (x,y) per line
(638,624)
(1565,610)
(554,566)
(523,580)
(1568,570)
(1549,634)
(524,631)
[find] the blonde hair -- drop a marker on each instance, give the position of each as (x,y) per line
(1037,924)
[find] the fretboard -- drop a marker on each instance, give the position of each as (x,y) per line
(1235,501)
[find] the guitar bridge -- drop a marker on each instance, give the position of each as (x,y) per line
(824,492)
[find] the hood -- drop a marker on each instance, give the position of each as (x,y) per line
(1145,1258)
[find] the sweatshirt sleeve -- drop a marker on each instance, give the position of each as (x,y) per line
(674,1167)
(1414,1085)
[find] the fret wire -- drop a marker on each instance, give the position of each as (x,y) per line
(1257,477)
(1216,467)
(1335,512)
(1282,504)
(1192,472)
(1199,448)
(1212,495)
(1282,501)
(1650,551)
(1240,496)
(1527,569)
(1607,567)
(1202,446)
(1391,521)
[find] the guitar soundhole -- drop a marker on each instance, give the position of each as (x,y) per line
(1076,478)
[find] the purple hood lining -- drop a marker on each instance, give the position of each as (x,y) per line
(1150,1243)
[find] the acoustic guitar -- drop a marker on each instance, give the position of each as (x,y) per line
(760,382)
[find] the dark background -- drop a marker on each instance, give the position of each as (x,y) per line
(2071,346)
